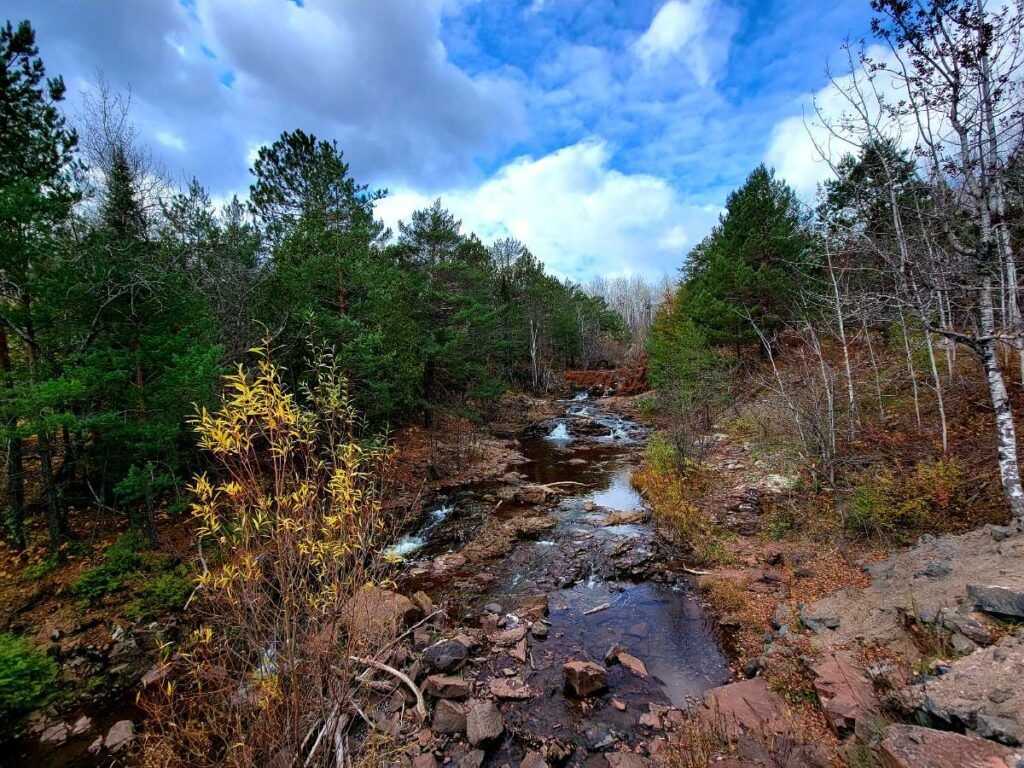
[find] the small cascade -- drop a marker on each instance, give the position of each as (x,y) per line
(560,434)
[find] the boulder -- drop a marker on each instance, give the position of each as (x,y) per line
(445,656)
(484,723)
(910,746)
(446,687)
(749,707)
(120,735)
(534,760)
(449,717)
(472,759)
(585,677)
(374,615)
(981,692)
(999,600)
(845,694)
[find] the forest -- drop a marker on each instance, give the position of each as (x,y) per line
(230,428)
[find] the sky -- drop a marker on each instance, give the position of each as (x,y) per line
(604,134)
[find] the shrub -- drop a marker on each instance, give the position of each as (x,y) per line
(160,595)
(122,559)
(900,505)
(26,677)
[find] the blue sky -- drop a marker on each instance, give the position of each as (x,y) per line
(606,135)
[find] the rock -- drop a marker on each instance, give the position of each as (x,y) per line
(626,760)
(539,630)
(962,645)
(472,759)
(752,667)
(81,726)
(449,717)
(445,656)
(422,601)
(510,636)
(155,675)
(373,615)
(534,760)
(980,691)
(845,694)
(784,616)
(55,734)
(510,688)
(493,608)
(424,761)
(519,652)
(585,677)
(96,745)
(619,705)
(998,600)
(446,687)
(420,638)
(749,707)
(484,723)
(633,664)
(120,735)
(911,746)
(650,720)
(936,569)
(641,630)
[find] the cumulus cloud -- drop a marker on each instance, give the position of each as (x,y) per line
(804,146)
(576,213)
(216,76)
(696,32)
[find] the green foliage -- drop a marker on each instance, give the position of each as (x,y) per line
(161,595)
(899,505)
(27,676)
(122,559)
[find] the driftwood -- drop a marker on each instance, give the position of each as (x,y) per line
(421,705)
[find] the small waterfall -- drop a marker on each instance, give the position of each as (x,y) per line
(405,546)
(560,434)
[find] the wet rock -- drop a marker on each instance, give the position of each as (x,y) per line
(449,717)
(534,760)
(424,761)
(519,652)
(510,688)
(484,723)
(998,600)
(120,735)
(619,705)
(472,759)
(585,677)
(845,694)
(910,746)
(539,630)
(373,615)
(445,656)
(510,636)
(633,664)
(446,687)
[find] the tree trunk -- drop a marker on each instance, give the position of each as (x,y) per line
(1006,433)
(15,463)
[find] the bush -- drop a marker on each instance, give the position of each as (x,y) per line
(166,593)
(26,677)
(122,559)
(900,506)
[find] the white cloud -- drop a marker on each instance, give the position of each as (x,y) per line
(686,30)
(170,139)
(802,147)
(576,213)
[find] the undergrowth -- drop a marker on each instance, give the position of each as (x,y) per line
(27,676)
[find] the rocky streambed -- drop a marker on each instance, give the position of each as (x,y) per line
(570,622)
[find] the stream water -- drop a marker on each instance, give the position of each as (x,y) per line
(604,576)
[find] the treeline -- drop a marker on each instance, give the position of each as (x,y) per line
(850,314)
(123,300)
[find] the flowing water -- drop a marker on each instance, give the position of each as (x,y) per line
(605,581)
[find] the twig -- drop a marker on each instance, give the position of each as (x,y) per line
(421,705)
(597,609)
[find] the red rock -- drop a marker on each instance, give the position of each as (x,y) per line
(510,688)
(910,746)
(845,695)
(424,761)
(585,677)
(534,760)
(449,717)
(626,760)
(446,687)
(619,705)
(373,615)
(633,664)
(519,652)
(748,707)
